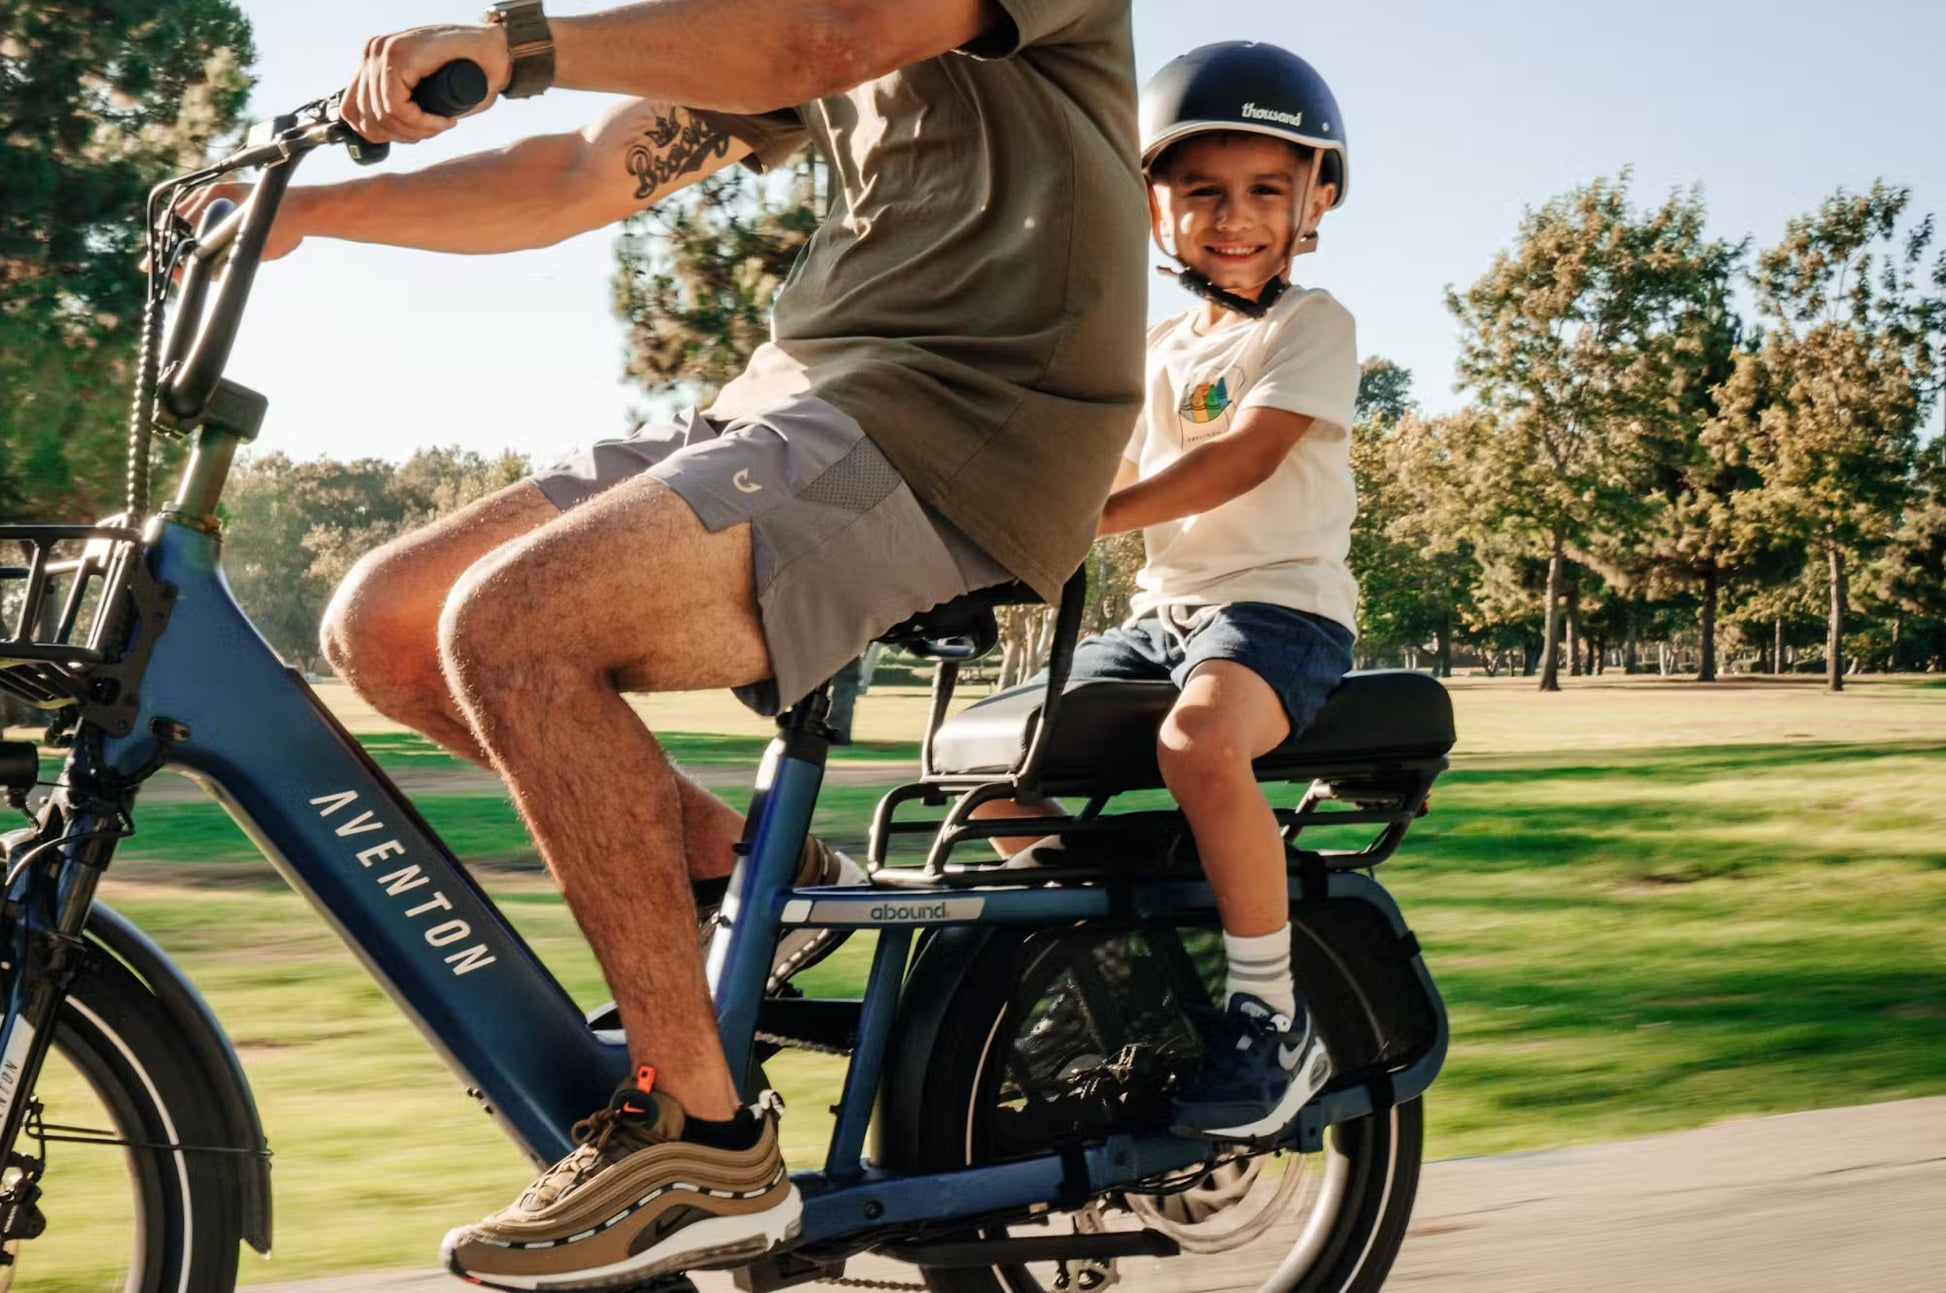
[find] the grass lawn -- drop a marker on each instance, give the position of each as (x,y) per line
(1649,905)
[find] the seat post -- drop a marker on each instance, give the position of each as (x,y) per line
(945,678)
(1060,662)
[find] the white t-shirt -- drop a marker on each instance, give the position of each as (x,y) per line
(1285,541)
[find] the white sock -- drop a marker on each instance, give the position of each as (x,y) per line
(1261,966)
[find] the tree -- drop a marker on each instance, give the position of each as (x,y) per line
(1412,571)
(292,530)
(1910,576)
(1699,530)
(1844,378)
(1570,340)
(697,273)
(98,102)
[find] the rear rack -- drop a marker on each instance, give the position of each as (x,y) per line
(66,640)
(1389,796)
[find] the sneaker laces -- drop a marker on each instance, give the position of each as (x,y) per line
(591,1136)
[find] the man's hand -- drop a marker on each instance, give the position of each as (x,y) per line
(285,234)
(378,102)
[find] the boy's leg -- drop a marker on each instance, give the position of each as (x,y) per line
(1227,717)
(1249,674)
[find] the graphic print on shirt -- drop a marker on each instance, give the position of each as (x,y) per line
(1206,404)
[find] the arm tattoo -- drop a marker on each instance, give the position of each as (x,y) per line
(672,148)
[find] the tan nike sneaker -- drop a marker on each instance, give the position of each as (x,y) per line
(633,1202)
(798,949)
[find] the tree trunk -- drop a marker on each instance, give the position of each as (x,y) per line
(1551,624)
(1834,641)
(1706,672)
(1630,660)
(1043,641)
(1574,634)
(1445,640)
(1777,646)
(1662,657)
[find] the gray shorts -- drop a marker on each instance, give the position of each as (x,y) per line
(843,549)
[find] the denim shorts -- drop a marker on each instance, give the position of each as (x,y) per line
(1302,656)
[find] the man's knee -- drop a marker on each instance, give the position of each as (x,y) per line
(498,628)
(366,626)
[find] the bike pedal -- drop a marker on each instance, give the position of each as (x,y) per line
(783,1269)
(675,1282)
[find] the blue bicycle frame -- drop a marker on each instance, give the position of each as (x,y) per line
(250,730)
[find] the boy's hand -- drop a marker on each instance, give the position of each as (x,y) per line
(378,102)
(1209,475)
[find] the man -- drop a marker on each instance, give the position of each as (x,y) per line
(955,367)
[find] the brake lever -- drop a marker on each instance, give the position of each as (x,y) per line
(362,150)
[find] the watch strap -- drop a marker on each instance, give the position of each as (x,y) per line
(530,43)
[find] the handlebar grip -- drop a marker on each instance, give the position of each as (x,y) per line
(452,88)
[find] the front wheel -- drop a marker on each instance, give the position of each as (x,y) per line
(136,1195)
(1072,1032)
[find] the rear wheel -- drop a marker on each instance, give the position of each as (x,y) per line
(1076,1032)
(135,1198)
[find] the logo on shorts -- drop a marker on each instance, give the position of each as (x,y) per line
(1205,402)
(743,482)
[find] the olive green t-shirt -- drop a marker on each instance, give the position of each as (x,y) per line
(976,298)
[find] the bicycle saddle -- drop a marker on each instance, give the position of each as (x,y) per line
(1104,736)
(960,629)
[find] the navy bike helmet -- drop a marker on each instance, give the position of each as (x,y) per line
(1247,86)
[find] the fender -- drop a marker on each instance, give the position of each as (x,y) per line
(1351,944)
(927,1007)
(196,1024)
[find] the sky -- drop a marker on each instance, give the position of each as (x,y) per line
(1459,118)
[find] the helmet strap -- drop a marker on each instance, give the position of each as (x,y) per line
(1304,232)
(1198,284)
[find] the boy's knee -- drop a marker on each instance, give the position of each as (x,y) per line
(1198,745)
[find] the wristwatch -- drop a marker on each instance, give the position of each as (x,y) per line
(529,42)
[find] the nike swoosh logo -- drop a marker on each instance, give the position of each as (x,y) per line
(742,481)
(1287,1056)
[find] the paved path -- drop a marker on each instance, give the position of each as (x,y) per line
(1827,1202)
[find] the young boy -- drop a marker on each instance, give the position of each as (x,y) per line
(1239,477)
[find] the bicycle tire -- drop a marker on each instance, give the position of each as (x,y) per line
(1380,1153)
(187,1197)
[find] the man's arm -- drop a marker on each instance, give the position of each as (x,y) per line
(743,56)
(530,194)
(1209,475)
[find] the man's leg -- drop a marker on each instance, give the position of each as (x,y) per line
(537,641)
(381,635)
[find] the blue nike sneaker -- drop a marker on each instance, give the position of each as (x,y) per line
(1260,1070)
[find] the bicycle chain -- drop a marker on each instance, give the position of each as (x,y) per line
(894,1286)
(799,1044)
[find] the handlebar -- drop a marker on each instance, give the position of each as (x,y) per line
(192,369)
